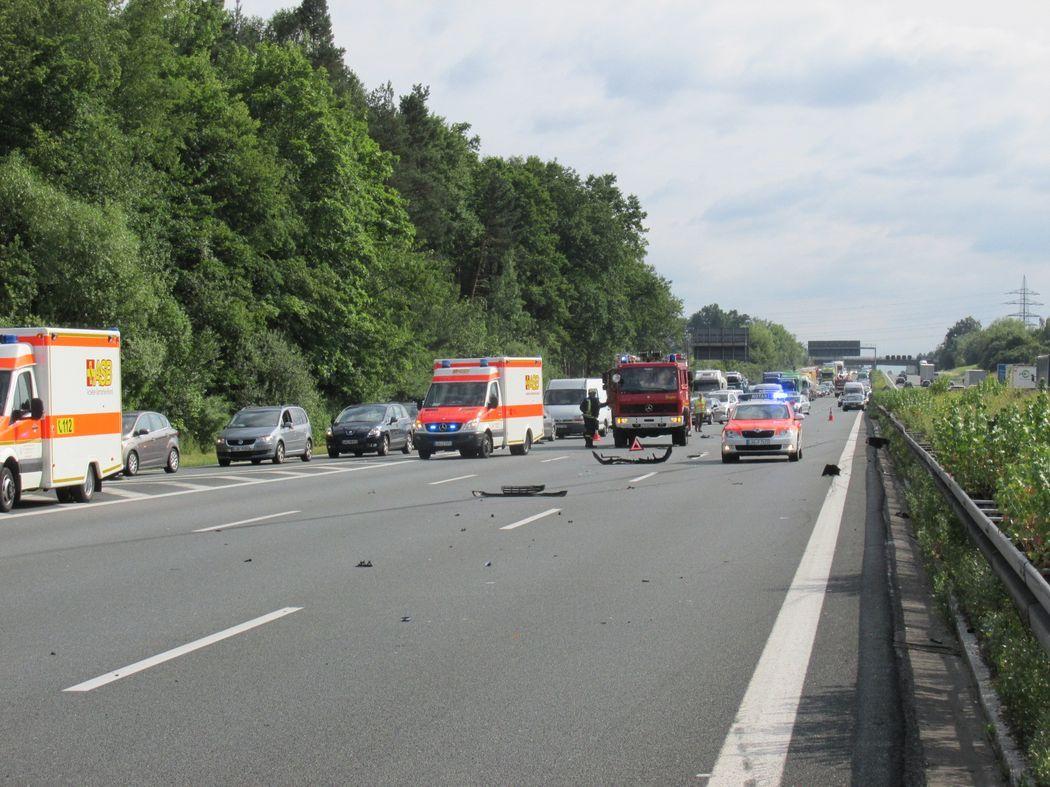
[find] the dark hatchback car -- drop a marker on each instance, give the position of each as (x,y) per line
(148,440)
(370,427)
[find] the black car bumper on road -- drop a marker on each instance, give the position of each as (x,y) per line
(444,441)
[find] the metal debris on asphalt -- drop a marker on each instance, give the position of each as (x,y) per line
(365,564)
(528,490)
(406,618)
(652,459)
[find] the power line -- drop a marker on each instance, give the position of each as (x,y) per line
(1025,303)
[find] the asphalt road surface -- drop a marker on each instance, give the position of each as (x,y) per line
(688,622)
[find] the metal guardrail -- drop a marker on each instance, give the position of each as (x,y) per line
(1028,588)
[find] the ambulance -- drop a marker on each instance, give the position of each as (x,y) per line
(60,422)
(476,405)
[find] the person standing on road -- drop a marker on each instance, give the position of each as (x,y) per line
(701,414)
(591,408)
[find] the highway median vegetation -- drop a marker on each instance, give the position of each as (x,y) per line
(995,442)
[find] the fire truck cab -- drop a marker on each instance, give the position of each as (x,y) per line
(649,396)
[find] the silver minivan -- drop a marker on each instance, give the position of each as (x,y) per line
(257,434)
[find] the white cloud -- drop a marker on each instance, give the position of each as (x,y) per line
(870,171)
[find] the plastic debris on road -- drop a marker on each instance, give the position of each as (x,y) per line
(652,459)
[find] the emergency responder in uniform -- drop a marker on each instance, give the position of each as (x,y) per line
(701,414)
(591,407)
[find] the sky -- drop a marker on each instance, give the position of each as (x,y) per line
(854,170)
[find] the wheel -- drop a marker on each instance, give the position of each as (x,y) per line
(407,447)
(173,461)
(131,467)
(680,436)
(278,453)
(521,450)
(384,445)
(485,449)
(467,453)
(257,461)
(619,438)
(8,489)
(308,454)
(224,463)
(423,453)
(333,454)
(86,491)
(64,494)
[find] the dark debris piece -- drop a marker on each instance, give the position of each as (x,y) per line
(406,618)
(527,490)
(652,459)
(365,564)
(831,470)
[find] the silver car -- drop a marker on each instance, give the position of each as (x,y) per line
(266,433)
(148,440)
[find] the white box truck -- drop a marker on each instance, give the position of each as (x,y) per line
(927,372)
(1021,376)
(60,424)
(476,405)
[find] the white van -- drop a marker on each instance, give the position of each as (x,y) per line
(562,400)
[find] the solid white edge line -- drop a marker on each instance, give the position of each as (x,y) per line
(57,509)
(555,459)
(532,518)
(182,650)
(756,747)
(641,477)
(450,480)
(244,522)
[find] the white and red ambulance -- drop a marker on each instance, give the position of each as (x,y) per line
(60,416)
(475,405)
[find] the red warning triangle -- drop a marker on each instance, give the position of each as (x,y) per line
(636,445)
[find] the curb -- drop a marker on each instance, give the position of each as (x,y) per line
(922,765)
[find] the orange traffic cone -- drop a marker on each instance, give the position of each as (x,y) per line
(636,445)
(831,415)
(597,438)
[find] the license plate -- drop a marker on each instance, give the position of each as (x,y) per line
(443,443)
(349,442)
(759,441)
(240,448)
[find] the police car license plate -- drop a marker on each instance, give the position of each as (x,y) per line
(759,441)
(349,442)
(443,443)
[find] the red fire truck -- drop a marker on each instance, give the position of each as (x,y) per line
(649,396)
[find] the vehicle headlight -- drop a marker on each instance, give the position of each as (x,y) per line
(264,439)
(471,425)
(731,433)
(784,432)
(676,419)
(621,421)
(220,441)
(328,432)
(374,431)
(419,425)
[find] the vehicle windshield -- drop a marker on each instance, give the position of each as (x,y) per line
(648,379)
(369,413)
(706,385)
(564,396)
(753,411)
(5,381)
(127,422)
(456,394)
(255,418)
(718,397)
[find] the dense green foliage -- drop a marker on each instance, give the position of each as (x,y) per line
(996,442)
(223,190)
(1004,341)
(771,345)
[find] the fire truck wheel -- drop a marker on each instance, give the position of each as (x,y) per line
(131,467)
(681,436)
(8,489)
(86,491)
(485,449)
(278,454)
(619,438)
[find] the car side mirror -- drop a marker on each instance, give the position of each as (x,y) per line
(800,416)
(36,409)
(141,432)
(393,419)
